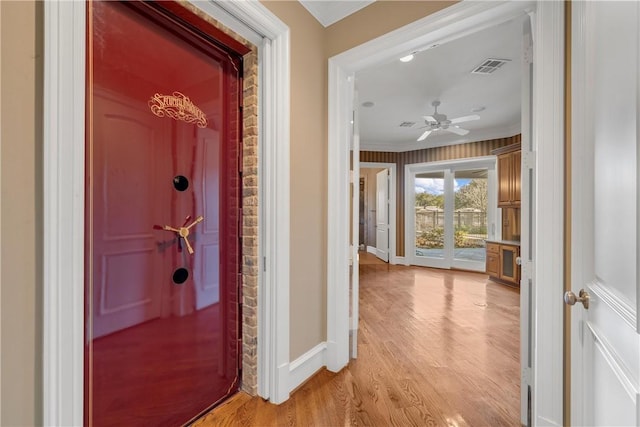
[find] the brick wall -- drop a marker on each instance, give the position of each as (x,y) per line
(250,263)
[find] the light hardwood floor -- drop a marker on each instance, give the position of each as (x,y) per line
(436,348)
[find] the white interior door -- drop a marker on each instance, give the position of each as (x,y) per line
(605,339)
(382,215)
(527,179)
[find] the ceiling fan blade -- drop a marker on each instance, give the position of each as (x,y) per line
(457,130)
(465,119)
(429,118)
(424,135)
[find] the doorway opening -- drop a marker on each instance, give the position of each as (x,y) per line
(375,210)
(376,197)
(541,162)
(65,55)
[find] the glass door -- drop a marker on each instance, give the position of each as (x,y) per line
(429,218)
(451,213)
(470,219)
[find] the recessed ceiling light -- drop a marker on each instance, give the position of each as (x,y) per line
(407,58)
(477,109)
(368,104)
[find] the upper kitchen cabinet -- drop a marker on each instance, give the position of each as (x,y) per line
(509,158)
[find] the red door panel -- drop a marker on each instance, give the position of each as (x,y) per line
(130,151)
(163,202)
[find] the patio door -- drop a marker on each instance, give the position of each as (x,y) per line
(450,212)
(162,216)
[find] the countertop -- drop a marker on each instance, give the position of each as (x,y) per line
(504,242)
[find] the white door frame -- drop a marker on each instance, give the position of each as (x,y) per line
(64,115)
(548,123)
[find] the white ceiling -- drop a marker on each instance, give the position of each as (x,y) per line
(328,12)
(403,92)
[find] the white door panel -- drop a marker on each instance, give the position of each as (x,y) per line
(124,237)
(605,338)
(206,260)
(382,215)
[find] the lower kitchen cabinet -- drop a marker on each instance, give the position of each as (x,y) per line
(502,262)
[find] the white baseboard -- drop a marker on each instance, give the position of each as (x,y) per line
(371,250)
(303,368)
(280,390)
(400,260)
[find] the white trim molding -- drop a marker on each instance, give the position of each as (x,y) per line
(303,368)
(64,117)
(0,223)
(273,290)
(582,178)
(338,217)
(64,111)
(548,213)
(456,21)
(400,260)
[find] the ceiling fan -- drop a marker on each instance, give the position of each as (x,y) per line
(439,121)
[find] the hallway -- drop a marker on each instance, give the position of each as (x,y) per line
(436,347)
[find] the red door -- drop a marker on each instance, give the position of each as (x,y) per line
(163,204)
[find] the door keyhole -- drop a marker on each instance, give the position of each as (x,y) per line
(180,183)
(180,276)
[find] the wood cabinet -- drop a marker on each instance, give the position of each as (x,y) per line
(502,262)
(509,167)
(493,259)
(511,224)
(509,269)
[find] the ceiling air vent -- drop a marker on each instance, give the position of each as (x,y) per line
(488,66)
(407,124)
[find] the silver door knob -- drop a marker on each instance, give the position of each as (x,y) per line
(583,297)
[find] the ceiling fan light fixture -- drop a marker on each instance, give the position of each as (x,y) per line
(437,122)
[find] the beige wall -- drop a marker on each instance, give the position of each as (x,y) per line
(377,19)
(21,246)
(311,47)
(308,176)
